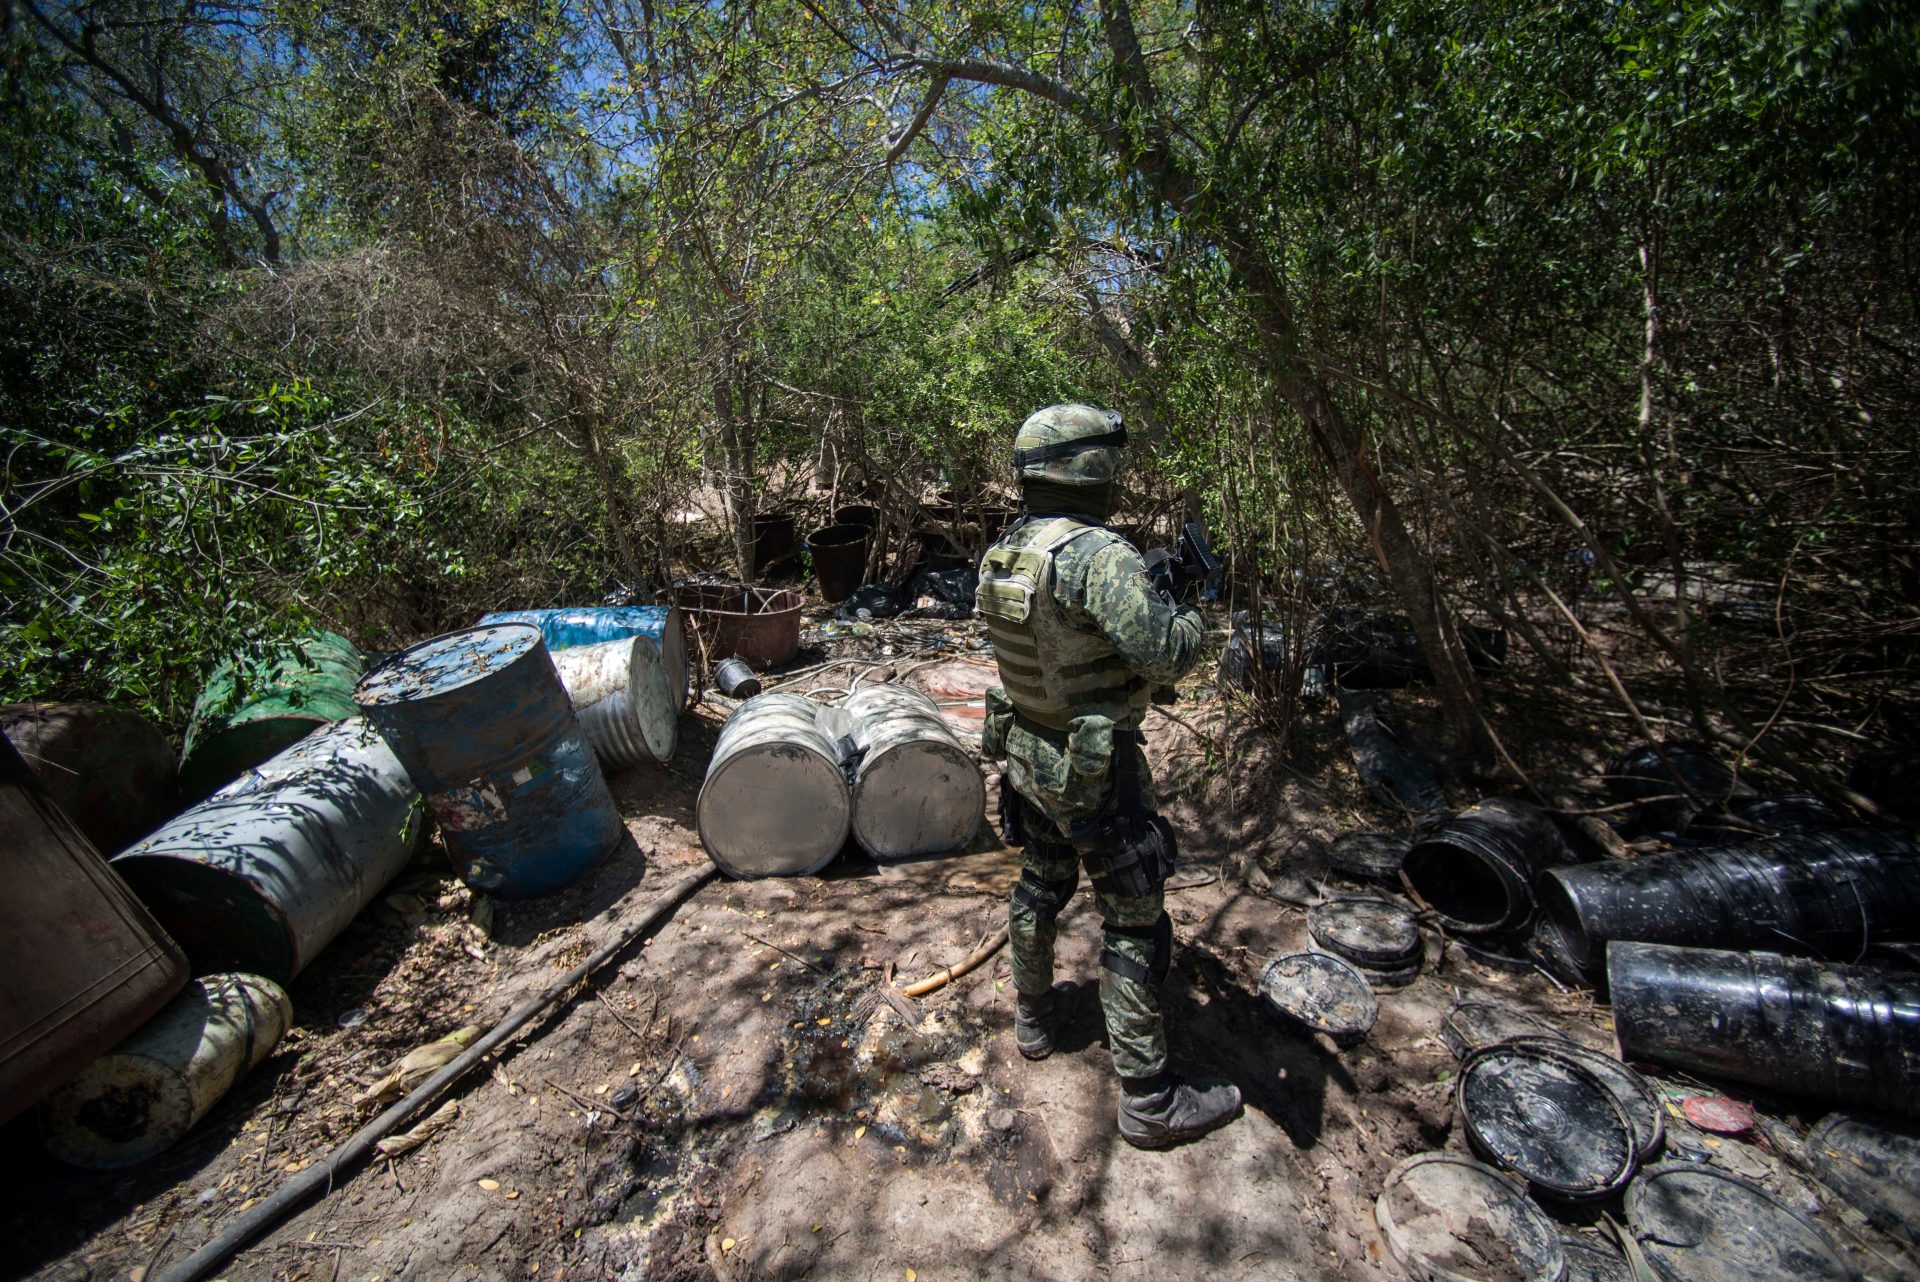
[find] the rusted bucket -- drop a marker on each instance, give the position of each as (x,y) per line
(85,964)
(760,625)
(839,555)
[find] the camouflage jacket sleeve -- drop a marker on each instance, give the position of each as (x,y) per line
(1102,584)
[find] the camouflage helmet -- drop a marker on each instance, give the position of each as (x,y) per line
(1070,444)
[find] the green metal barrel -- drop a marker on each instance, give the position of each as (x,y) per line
(256,706)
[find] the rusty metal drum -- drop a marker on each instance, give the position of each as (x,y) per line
(916,788)
(263,874)
(775,800)
(82,963)
(109,770)
(484,728)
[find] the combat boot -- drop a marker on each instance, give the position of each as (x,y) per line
(1157,1112)
(1033,1020)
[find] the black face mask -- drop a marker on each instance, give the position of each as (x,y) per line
(1046,498)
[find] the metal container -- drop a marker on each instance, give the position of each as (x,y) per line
(1845,1035)
(623,698)
(760,625)
(82,963)
(735,679)
(109,770)
(144,1096)
(839,555)
(255,705)
(775,800)
(1477,871)
(263,874)
(773,538)
(916,788)
(483,726)
(1828,894)
(661,625)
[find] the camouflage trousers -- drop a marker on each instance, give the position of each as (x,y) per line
(1136,1034)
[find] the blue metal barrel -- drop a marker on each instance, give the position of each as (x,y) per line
(482,724)
(590,625)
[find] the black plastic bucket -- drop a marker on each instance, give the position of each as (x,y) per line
(1826,894)
(839,559)
(1890,778)
(1477,871)
(736,680)
(1845,1035)
(773,536)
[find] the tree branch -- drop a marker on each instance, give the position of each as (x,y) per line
(920,118)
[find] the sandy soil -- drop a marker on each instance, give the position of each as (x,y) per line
(730,1100)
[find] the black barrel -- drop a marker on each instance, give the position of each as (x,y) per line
(839,559)
(1671,783)
(1890,778)
(1844,1035)
(1477,871)
(773,538)
(1823,894)
(1725,823)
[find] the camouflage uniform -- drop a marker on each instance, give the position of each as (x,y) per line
(1063,772)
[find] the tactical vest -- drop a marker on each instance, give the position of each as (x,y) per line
(1052,671)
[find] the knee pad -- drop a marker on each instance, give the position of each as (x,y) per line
(1160,935)
(1045,898)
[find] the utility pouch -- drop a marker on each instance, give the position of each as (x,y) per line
(1013,815)
(998,720)
(1137,854)
(1090,749)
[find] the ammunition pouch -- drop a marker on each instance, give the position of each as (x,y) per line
(1160,935)
(1046,898)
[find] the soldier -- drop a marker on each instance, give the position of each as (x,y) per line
(1081,636)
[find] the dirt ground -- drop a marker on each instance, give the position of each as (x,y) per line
(730,1100)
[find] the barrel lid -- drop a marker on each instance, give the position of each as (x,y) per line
(1636,1095)
(1548,1118)
(1452,1219)
(1320,991)
(447,662)
(1371,932)
(1505,953)
(1875,1164)
(1589,1260)
(1374,856)
(1473,1024)
(1695,1223)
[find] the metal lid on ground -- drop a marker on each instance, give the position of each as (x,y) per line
(1589,1260)
(1548,1118)
(1874,1163)
(1451,1219)
(1366,931)
(446,663)
(1322,992)
(1696,1224)
(1473,1024)
(1636,1095)
(1373,856)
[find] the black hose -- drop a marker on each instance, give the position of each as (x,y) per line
(322,1173)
